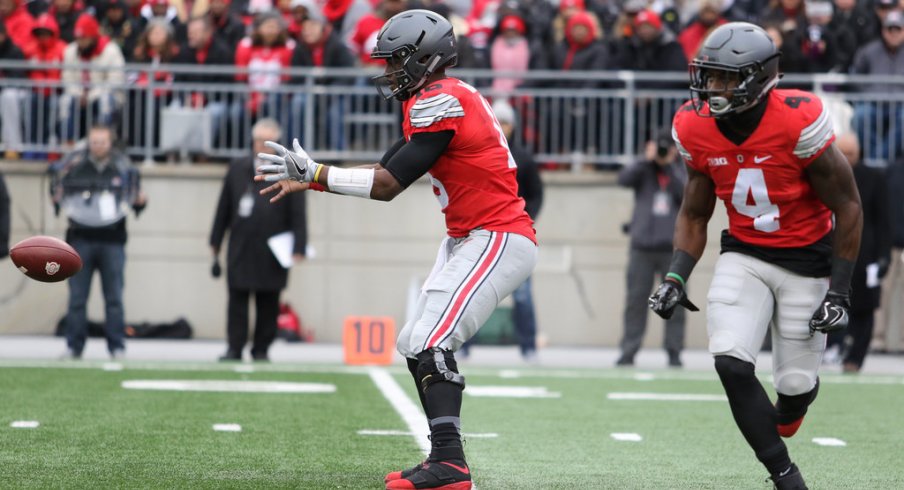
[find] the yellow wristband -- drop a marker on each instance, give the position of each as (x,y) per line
(317,172)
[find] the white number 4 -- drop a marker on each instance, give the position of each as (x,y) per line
(751,182)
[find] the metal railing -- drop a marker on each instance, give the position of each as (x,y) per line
(569,118)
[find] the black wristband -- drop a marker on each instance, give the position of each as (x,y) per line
(842,271)
(682,265)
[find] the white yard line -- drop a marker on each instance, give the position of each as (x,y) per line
(227,386)
(378,432)
(671,397)
(626,436)
(227,427)
(407,409)
(24,424)
(829,441)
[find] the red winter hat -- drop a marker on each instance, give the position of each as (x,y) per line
(565,4)
(46,22)
(86,26)
(513,22)
(649,17)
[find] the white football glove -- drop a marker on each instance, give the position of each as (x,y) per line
(288,165)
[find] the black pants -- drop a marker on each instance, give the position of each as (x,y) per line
(266,311)
(861,331)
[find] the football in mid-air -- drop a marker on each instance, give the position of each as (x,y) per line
(45,258)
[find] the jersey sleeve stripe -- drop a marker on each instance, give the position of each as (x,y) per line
(814,137)
(428,111)
(683,151)
(431,101)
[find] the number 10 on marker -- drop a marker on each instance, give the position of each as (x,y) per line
(368,340)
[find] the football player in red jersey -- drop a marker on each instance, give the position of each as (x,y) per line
(449,132)
(769,155)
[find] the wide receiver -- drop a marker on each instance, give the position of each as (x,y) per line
(769,155)
(451,133)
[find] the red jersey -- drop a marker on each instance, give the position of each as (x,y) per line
(474,179)
(762,181)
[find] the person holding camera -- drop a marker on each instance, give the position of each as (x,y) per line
(658,184)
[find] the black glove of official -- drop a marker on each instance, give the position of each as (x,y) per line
(832,315)
(215,269)
(667,297)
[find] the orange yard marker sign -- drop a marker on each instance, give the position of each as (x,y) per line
(368,340)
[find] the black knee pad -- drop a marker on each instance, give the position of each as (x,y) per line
(795,406)
(437,366)
(733,369)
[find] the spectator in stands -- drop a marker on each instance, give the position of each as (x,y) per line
(708,18)
(788,14)
(187,9)
(268,50)
(156,45)
(792,59)
(880,10)
(624,26)
(365,36)
(650,48)
(251,266)
(873,119)
(530,188)
(46,47)
(10,104)
(856,18)
(119,26)
(568,8)
(4,219)
(163,9)
(66,12)
(873,261)
(95,187)
(92,94)
(17,21)
(319,46)
(514,50)
(36,7)
(344,15)
(658,185)
(823,49)
(202,48)
(227,27)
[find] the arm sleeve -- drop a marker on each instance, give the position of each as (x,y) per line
(530,187)
(298,220)
(629,176)
(392,151)
(415,158)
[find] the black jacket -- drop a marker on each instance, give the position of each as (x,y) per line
(9,51)
(218,53)
(335,55)
(530,187)
(593,57)
(228,29)
(4,219)
(875,242)
(251,265)
(895,181)
(649,229)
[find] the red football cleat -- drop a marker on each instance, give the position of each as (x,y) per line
(398,475)
(439,475)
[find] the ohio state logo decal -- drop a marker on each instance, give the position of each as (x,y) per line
(52,268)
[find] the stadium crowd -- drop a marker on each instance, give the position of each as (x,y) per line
(816,36)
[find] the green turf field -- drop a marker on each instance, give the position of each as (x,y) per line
(93,433)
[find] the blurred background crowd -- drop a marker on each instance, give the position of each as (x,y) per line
(125,46)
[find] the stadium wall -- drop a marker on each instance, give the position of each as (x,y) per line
(367,257)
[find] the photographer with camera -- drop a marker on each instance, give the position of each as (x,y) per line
(658,184)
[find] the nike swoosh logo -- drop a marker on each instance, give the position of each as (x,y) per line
(391,38)
(464,470)
(785,472)
(761,159)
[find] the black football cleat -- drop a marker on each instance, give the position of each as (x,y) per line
(790,479)
(439,475)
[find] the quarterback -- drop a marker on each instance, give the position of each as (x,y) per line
(785,265)
(450,133)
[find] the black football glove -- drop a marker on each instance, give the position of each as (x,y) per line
(215,269)
(832,315)
(667,297)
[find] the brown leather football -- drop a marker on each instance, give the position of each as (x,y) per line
(46,259)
